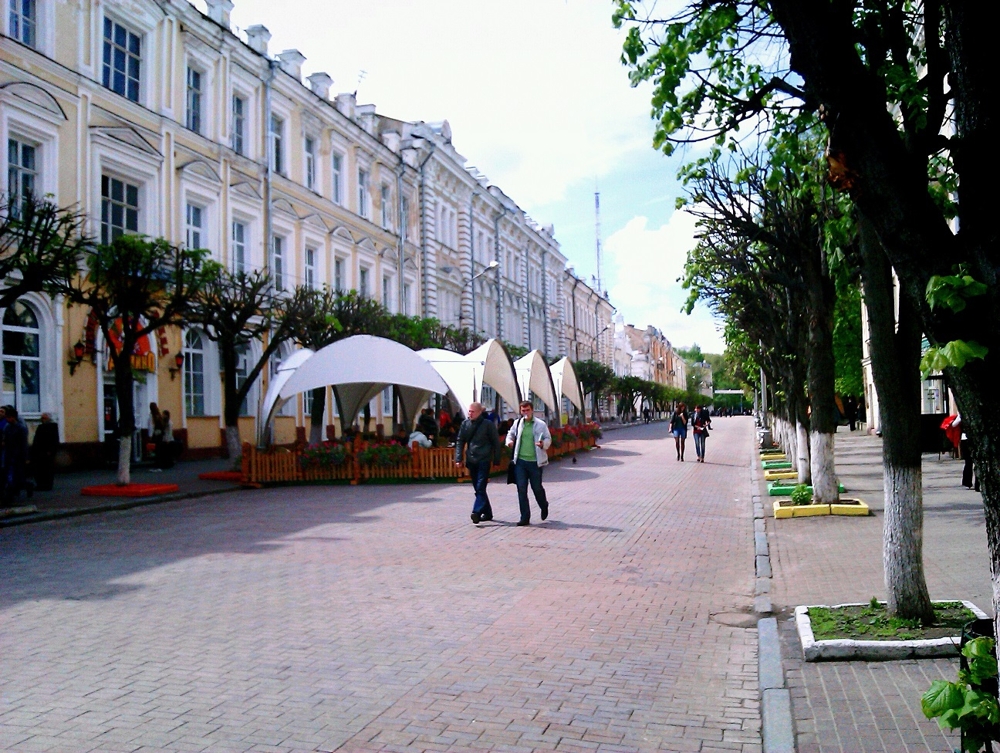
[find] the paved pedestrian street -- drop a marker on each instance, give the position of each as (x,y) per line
(380,618)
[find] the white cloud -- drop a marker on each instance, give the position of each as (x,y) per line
(643,267)
(533,89)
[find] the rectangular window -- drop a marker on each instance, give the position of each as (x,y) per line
(405,219)
(385,199)
(194,99)
(119,208)
(338,275)
(122,60)
(195,226)
(239,247)
(387,293)
(387,402)
(24,21)
(406,299)
(310,268)
(363,198)
(239,124)
(363,282)
(22,173)
(338,178)
(278,262)
(310,164)
(277,144)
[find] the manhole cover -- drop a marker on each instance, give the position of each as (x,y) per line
(735,619)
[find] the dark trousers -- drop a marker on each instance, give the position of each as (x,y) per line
(699,444)
(967,471)
(527,472)
(480,474)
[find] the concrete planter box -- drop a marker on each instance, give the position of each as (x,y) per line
(850,650)
(776,465)
(783,489)
(778,475)
(773,456)
(783,508)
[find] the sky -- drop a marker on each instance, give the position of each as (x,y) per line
(539,102)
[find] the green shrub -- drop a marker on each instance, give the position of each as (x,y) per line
(802,495)
(384,455)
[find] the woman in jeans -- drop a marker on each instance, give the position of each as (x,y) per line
(679,428)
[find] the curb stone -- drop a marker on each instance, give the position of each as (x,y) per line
(777,729)
(41,517)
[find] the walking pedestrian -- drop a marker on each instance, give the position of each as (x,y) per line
(479,438)
(701,422)
(165,448)
(44,447)
(679,428)
(529,437)
(968,470)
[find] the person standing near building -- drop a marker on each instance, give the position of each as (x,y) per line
(44,447)
(15,456)
(530,438)
(479,438)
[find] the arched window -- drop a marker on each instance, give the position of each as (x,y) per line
(194,374)
(21,359)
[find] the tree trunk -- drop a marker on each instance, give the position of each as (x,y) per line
(826,488)
(230,401)
(317,416)
(233,445)
(802,452)
(124,460)
(895,354)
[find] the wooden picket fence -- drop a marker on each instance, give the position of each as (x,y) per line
(283,465)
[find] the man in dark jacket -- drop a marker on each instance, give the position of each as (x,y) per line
(482,447)
(15,455)
(43,453)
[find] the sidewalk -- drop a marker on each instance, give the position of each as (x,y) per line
(65,499)
(873,706)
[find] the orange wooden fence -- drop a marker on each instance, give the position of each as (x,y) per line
(282,465)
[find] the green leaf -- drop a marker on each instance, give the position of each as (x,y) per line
(941,697)
(955,353)
(952,291)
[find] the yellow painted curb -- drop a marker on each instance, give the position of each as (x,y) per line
(776,475)
(841,509)
(798,511)
(774,456)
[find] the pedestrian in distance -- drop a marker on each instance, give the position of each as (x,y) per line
(481,443)
(701,422)
(679,428)
(44,447)
(530,438)
(165,447)
(15,456)
(968,470)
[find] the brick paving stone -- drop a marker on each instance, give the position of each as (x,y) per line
(377,618)
(845,707)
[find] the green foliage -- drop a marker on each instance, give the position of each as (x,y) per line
(847,350)
(873,621)
(955,353)
(952,291)
(802,494)
(594,376)
(324,455)
(384,455)
(962,704)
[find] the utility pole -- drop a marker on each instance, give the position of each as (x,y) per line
(597,233)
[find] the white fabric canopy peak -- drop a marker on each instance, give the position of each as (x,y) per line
(358,367)
(488,364)
(566,382)
(533,374)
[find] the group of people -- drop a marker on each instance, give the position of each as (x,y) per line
(477,445)
(160,437)
(16,456)
(701,421)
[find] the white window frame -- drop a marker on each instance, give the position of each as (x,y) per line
(19,360)
(385,205)
(310,164)
(364,192)
(387,296)
(126,185)
(191,356)
(277,143)
(338,174)
(195,99)
(239,247)
(278,260)
(238,135)
(143,56)
(364,273)
(310,267)
(13,7)
(339,266)
(194,225)
(17,171)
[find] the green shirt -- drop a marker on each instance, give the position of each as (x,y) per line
(526,449)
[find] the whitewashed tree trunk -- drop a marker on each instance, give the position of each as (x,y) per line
(791,447)
(902,537)
(233,444)
(124,460)
(802,453)
(823,468)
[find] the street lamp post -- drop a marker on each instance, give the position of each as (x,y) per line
(492,265)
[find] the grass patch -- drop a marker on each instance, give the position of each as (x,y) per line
(871,622)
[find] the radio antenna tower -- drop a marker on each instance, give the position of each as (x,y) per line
(597,233)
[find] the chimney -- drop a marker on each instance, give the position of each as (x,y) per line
(320,83)
(346,104)
(257,37)
(291,63)
(219,10)
(391,140)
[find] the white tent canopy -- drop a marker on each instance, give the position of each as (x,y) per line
(566,382)
(533,374)
(358,367)
(465,375)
